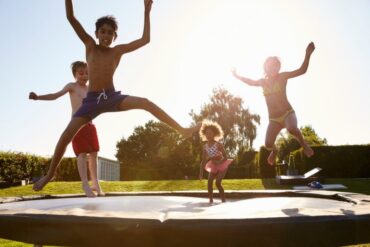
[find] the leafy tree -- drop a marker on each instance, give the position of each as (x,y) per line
(238,123)
(154,145)
(286,143)
(157,146)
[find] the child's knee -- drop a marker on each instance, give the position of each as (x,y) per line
(218,183)
(66,137)
(210,182)
(269,145)
(293,130)
(146,103)
(82,156)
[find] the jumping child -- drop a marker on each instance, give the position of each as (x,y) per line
(103,61)
(85,143)
(214,159)
(281,113)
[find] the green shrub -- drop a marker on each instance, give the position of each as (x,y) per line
(67,170)
(266,170)
(17,166)
(349,161)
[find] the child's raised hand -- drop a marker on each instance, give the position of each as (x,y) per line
(310,48)
(233,70)
(219,156)
(33,96)
(148,5)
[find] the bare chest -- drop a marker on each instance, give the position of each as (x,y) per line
(78,93)
(102,59)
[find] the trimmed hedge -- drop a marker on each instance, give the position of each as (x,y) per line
(236,172)
(246,168)
(350,161)
(266,170)
(160,173)
(18,166)
(336,161)
(67,170)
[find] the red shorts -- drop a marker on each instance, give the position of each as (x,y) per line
(86,140)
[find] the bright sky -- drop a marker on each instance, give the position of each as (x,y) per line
(194,44)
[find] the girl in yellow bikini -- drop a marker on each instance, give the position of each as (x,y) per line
(281,113)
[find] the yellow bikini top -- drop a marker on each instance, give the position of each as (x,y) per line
(275,88)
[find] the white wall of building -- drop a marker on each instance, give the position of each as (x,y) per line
(108,170)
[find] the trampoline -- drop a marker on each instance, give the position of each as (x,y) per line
(248,218)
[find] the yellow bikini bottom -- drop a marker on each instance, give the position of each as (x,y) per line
(280,120)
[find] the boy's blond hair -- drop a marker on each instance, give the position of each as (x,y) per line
(76,65)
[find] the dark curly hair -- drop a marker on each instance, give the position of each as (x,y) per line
(214,127)
(109,20)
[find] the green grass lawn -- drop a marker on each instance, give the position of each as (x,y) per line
(354,185)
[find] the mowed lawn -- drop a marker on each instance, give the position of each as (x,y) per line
(354,185)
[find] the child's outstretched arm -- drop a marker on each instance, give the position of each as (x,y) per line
(80,31)
(303,69)
(145,39)
(52,96)
(248,81)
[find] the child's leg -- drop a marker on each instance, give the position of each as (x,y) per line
(66,137)
(93,173)
(219,178)
(291,126)
(82,170)
(273,130)
(131,102)
(211,177)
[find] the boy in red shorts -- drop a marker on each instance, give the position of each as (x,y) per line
(85,143)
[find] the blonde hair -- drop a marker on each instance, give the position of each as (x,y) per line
(76,65)
(214,127)
(269,61)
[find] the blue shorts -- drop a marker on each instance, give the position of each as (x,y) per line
(97,103)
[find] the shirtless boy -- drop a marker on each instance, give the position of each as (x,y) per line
(85,143)
(102,97)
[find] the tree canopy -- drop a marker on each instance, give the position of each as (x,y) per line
(238,123)
(286,143)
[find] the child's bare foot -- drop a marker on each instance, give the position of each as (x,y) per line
(101,193)
(88,192)
(271,158)
(98,190)
(40,184)
(308,151)
(187,132)
(210,200)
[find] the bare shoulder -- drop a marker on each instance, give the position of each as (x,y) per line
(261,82)
(283,77)
(71,86)
(120,49)
(283,74)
